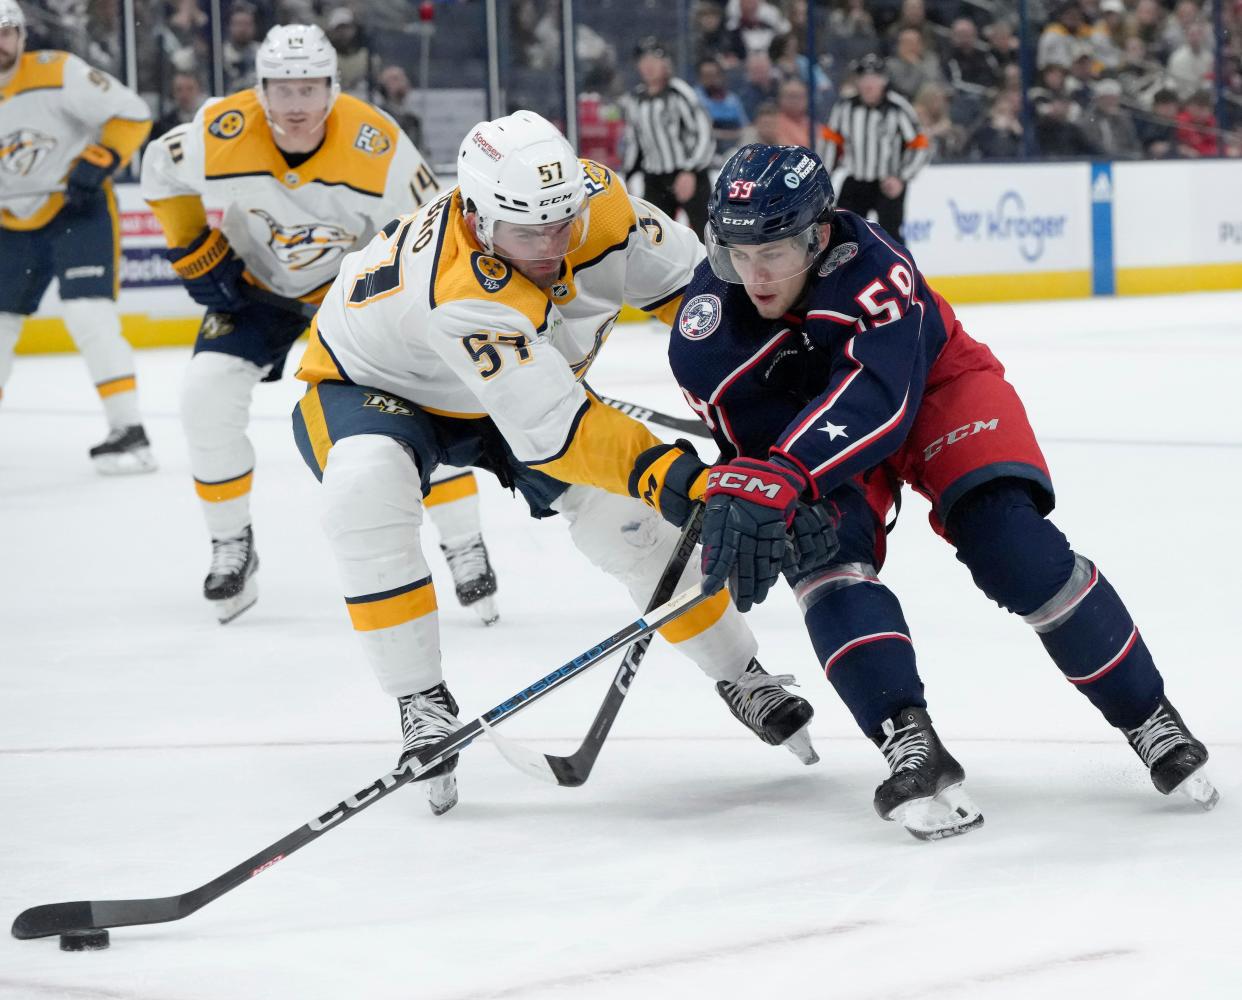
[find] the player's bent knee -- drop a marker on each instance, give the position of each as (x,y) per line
(617,534)
(215,396)
(371,483)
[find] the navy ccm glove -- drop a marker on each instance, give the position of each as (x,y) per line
(86,177)
(210,271)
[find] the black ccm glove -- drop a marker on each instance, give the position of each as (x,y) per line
(86,177)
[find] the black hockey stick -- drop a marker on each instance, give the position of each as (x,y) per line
(574,770)
(263,297)
(683,424)
(60,918)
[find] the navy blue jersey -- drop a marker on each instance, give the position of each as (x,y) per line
(835,383)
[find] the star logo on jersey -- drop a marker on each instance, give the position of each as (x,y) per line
(387,404)
(493,273)
(699,317)
(228,125)
(372,140)
(834,431)
(307,244)
(22,151)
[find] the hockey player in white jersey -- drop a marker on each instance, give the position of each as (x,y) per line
(65,129)
(462,334)
(303,175)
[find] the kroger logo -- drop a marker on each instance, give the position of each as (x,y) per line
(1010,221)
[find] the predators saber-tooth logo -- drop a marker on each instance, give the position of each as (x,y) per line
(305,245)
(23,150)
(387,404)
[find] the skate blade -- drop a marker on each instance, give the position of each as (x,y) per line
(799,744)
(232,607)
(485,608)
(1200,790)
(950,813)
(442,793)
(129,463)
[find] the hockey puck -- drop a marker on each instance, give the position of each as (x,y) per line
(84,940)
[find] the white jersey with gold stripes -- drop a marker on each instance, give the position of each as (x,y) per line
(53,108)
(425,314)
(292,225)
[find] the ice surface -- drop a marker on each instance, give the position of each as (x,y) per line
(144,749)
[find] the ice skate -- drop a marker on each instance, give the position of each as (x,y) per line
(925,792)
(1173,756)
(760,702)
(230,585)
(473,577)
(124,451)
(426,719)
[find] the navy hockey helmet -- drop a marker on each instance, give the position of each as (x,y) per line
(775,195)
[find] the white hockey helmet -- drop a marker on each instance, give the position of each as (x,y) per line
(521,171)
(295,52)
(11,16)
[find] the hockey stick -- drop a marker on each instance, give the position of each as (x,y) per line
(263,297)
(60,918)
(574,770)
(683,424)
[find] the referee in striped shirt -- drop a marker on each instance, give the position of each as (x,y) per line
(668,136)
(875,136)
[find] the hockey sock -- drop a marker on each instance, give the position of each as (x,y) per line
(1025,564)
(96,330)
(453,504)
(10,331)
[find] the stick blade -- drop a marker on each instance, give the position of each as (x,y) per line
(54,918)
(528,761)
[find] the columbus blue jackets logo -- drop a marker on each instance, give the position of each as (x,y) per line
(307,244)
(699,317)
(493,274)
(23,150)
(228,125)
(837,256)
(372,140)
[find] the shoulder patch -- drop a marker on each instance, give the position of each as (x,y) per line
(837,256)
(598,177)
(700,317)
(372,140)
(492,272)
(228,125)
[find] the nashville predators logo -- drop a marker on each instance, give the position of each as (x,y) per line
(228,125)
(372,140)
(493,274)
(387,404)
(303,246)
(23,150)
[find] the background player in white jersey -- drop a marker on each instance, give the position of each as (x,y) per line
(461,335)
(65,129)
(304,175)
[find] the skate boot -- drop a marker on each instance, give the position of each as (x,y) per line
(760,702)
(473,576)
(924,793)
(230,585)
(1174,757)
(124,451)
(426,718)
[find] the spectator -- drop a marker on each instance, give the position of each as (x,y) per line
(794,125)
(1081,79)
(946,140)
(762,83)
(1158,129)
(792,64)
(756,22)
(913,16)
(911,66)
(767,121)
(357,65)
(1003,43)
(1139,75)
(1177,28)
(713,40)
(1056,133)
(852,21)
(1108,127)
(397,97)
(1190,66)
(187,94)
(1197,127)
(1059,41)
(723,106)
(1108,34)
(1000,136)
(241,43)
(968,66)
(183,36)
(1147,25)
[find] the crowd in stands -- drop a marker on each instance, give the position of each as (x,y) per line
(1113,78)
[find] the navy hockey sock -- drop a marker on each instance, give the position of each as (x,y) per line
(1025,564)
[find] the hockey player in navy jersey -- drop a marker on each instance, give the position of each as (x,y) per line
(830,373)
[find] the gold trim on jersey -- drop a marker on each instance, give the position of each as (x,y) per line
(311,408)
(449,490)
(39,70)
(601,450)
(124,136)
(182,218)
(451,414)
(318,364)
(612,217)
(237,141)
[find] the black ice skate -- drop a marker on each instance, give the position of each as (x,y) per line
(473,577)
(760,702)
(925,792)
(1174,757)
(426,719)
(124,451)
(230,585)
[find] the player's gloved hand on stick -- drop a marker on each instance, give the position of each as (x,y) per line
(812,540)
(95,165)
(750,507)
(210,271)
(669,478)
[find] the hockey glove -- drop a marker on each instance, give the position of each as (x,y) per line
(812,540)
(210,271)
(86,177)
(669,478)
(750,506)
